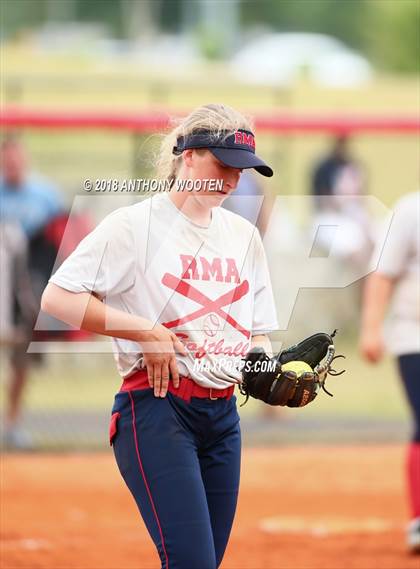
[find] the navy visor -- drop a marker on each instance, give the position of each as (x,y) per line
(236,150)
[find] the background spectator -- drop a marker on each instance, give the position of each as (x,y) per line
(397,283)
(28,204)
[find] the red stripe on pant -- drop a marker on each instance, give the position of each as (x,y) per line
(145,481)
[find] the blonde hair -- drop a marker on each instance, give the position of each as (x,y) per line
(217,118)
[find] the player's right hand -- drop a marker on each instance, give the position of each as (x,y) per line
(159,346)
(372,346)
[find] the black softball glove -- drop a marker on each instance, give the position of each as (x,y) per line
(294,376)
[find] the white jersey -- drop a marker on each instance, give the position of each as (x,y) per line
(209,285)
(400,260)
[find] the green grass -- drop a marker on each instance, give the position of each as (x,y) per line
(69,83)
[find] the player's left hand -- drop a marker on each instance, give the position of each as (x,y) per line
(294,376)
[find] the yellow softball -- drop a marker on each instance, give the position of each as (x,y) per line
(297,366)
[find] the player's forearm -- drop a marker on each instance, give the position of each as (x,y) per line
(85,311)
(263,341)
(377,294)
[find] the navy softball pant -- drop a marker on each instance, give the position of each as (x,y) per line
(181,462)
(409,366)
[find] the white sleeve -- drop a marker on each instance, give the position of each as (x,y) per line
(104,262)
(397,246)
(265,315)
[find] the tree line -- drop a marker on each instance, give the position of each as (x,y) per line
(386,31)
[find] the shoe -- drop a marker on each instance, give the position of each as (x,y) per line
(413,536)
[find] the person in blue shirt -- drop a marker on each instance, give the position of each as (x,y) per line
(29,203)
(25,198)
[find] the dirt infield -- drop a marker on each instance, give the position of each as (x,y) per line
(299,508)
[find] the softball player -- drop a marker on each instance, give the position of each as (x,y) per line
(183,288)
(397,281)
